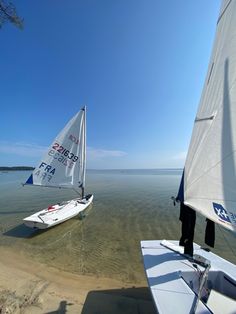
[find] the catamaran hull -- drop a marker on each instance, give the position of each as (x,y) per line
(57,214)
(174,280)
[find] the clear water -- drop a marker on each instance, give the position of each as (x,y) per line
(129,206)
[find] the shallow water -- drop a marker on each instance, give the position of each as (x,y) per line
(129,206)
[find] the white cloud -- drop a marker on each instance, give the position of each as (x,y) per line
(180,156)
(22,149)
(95,153)
(34,150)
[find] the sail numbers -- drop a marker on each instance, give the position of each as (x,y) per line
(65,152)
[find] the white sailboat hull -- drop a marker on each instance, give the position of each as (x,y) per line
(58,213)
(174,280)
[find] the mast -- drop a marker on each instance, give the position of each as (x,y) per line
(84,153)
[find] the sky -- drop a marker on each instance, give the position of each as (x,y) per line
(139,66)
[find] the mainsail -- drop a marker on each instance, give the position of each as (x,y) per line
(209,180)
(64,163)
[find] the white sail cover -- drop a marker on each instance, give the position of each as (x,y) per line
(64,163)
(210,170)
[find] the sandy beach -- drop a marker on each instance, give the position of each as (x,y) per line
(30,287)
(84,266)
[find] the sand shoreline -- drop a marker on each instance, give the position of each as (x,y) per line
(27,286)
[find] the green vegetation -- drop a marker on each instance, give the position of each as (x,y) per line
(8,14)
(16,168)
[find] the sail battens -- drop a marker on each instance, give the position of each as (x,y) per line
(204,119)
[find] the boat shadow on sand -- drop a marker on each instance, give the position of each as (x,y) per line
(21,231)
(7,212)
(119,301)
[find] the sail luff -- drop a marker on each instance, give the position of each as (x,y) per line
(84,152)
(85,138)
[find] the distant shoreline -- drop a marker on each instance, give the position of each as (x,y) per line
(23,168)
(17,168)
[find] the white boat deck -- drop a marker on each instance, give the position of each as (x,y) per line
(170,276)
(57,213)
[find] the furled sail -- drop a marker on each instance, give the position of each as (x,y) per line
(64,163)
(209,180)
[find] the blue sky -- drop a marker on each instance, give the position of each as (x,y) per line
(139,66)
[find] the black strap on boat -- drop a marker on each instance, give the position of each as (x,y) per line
(188,219)
(39,216)
(210,233)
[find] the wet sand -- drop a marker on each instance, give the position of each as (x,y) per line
(27,286)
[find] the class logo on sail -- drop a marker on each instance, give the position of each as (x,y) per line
(74,139)
(221,212)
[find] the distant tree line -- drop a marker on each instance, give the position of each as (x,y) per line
(8,14)
(16,168)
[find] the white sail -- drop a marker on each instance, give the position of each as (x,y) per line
(179,280)
(210,170)
(64,163)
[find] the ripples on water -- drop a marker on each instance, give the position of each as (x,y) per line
(129,206)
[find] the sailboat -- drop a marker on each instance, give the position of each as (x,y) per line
(63,166)
(184,277)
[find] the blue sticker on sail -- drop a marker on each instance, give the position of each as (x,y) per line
(221,212)
(30,180)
